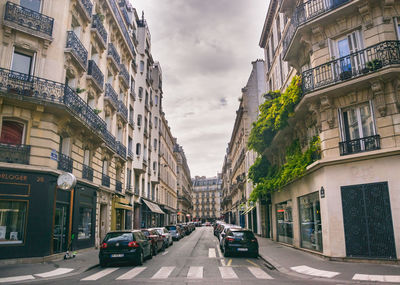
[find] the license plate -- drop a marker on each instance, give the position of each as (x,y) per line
(117,255)
(242,249)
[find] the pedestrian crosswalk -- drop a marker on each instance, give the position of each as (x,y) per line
(165,272)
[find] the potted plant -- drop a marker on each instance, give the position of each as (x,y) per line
(374,64)
(345,75)
(96,111)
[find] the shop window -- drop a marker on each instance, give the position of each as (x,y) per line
(284,220)
(12,132)
(85,223)
(12,221)
(310,221)
(22,63)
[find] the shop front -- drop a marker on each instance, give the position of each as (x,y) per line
(284,219)
(121,218)
(170,215)
(310,221)
(152,215)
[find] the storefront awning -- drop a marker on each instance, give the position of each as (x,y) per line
(248,210)
(153,207)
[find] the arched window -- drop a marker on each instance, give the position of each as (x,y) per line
(12,132)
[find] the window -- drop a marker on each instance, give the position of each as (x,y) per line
(12,132)
(139,120)
(155,122)
(140,93)
(156,100)
(310,221)
(85,223)
(86,157)
(342,48)
(357,122)
(155,144)
(65,146)
(154,166)
(141,66)
(105,167)
(397,26)
(284,220)
(31,4)
(12,221)
(138,148)
(22,63)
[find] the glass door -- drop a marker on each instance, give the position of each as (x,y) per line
(60,231)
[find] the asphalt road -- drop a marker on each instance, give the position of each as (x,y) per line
(195,259)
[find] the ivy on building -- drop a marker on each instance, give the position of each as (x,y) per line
(274,115)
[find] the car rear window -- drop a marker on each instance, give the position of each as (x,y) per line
(244,234)
(146,233)
(171,228)
(118,236)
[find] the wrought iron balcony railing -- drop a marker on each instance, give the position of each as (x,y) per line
(306,12)
(65,163)
(96,74)
(110,140)
(118,186)
(122,110)
(362,62)
(111,95)
(360,145)
(28,20)
(87,7)
(131,122)
(112,51)
(130,153)
(121,149)
(77,49)
(98,26)
(87,173)
(105,180)
(15,153)
(124,75)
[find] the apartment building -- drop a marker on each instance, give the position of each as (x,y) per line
(184,186)
(168,198)
(347,53)
(206,198)
(237,208)
(81,94)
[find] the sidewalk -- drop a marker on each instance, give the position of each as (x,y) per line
(84,260)
(300,263)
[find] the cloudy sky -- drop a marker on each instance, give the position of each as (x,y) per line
(205,48)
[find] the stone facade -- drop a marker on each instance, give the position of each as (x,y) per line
(206,198)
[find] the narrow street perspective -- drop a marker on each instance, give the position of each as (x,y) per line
(200,142)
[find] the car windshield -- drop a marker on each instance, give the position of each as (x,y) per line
(171,228)
(243,235)
(118,236)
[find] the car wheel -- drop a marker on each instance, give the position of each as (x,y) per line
(150,256)
(153,251)
(140,258)
(163,247)
(103,263)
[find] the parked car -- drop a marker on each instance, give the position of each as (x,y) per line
(174,231)
(223,233)
(166,235)
(218,229)
(181,231)
(124,246)
(239,241)
(157,241)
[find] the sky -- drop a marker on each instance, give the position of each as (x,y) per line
(205,49)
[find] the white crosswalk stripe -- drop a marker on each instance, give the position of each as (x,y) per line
(131,273)
(56,272)
(16,278)
(227,273)
(212,253)
(100,274)
(195,272)
(163,273)
(314,272)
(259,273)
(377,278)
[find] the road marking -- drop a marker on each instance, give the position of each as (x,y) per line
(195,272)
(100,274)
(16,278)
(227,273)
(164,253)
(251,262)
(55,272)
(131,273)
(259,273)
(163,273)
(229,262)
(212,253)
(381,278)
(314,272)
(220,255)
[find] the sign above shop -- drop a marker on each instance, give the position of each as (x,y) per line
(66,181)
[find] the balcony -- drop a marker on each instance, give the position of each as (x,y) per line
(87,173)
(118,186)
(15,153)
(75,48)
(105,180)
(113,57)
(124,75)
(64,163)
(28,21)
(95,75)
(85,8)
(146,134)
(360,145)
(121,150)
(304,13)
(122,111)
(99,32)
(360,63)
(111,96)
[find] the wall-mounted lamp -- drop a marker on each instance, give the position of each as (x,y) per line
(322,192)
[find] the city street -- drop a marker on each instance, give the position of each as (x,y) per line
(194,259)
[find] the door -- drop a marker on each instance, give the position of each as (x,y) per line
(367,220)
(60,231)
(346,51)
